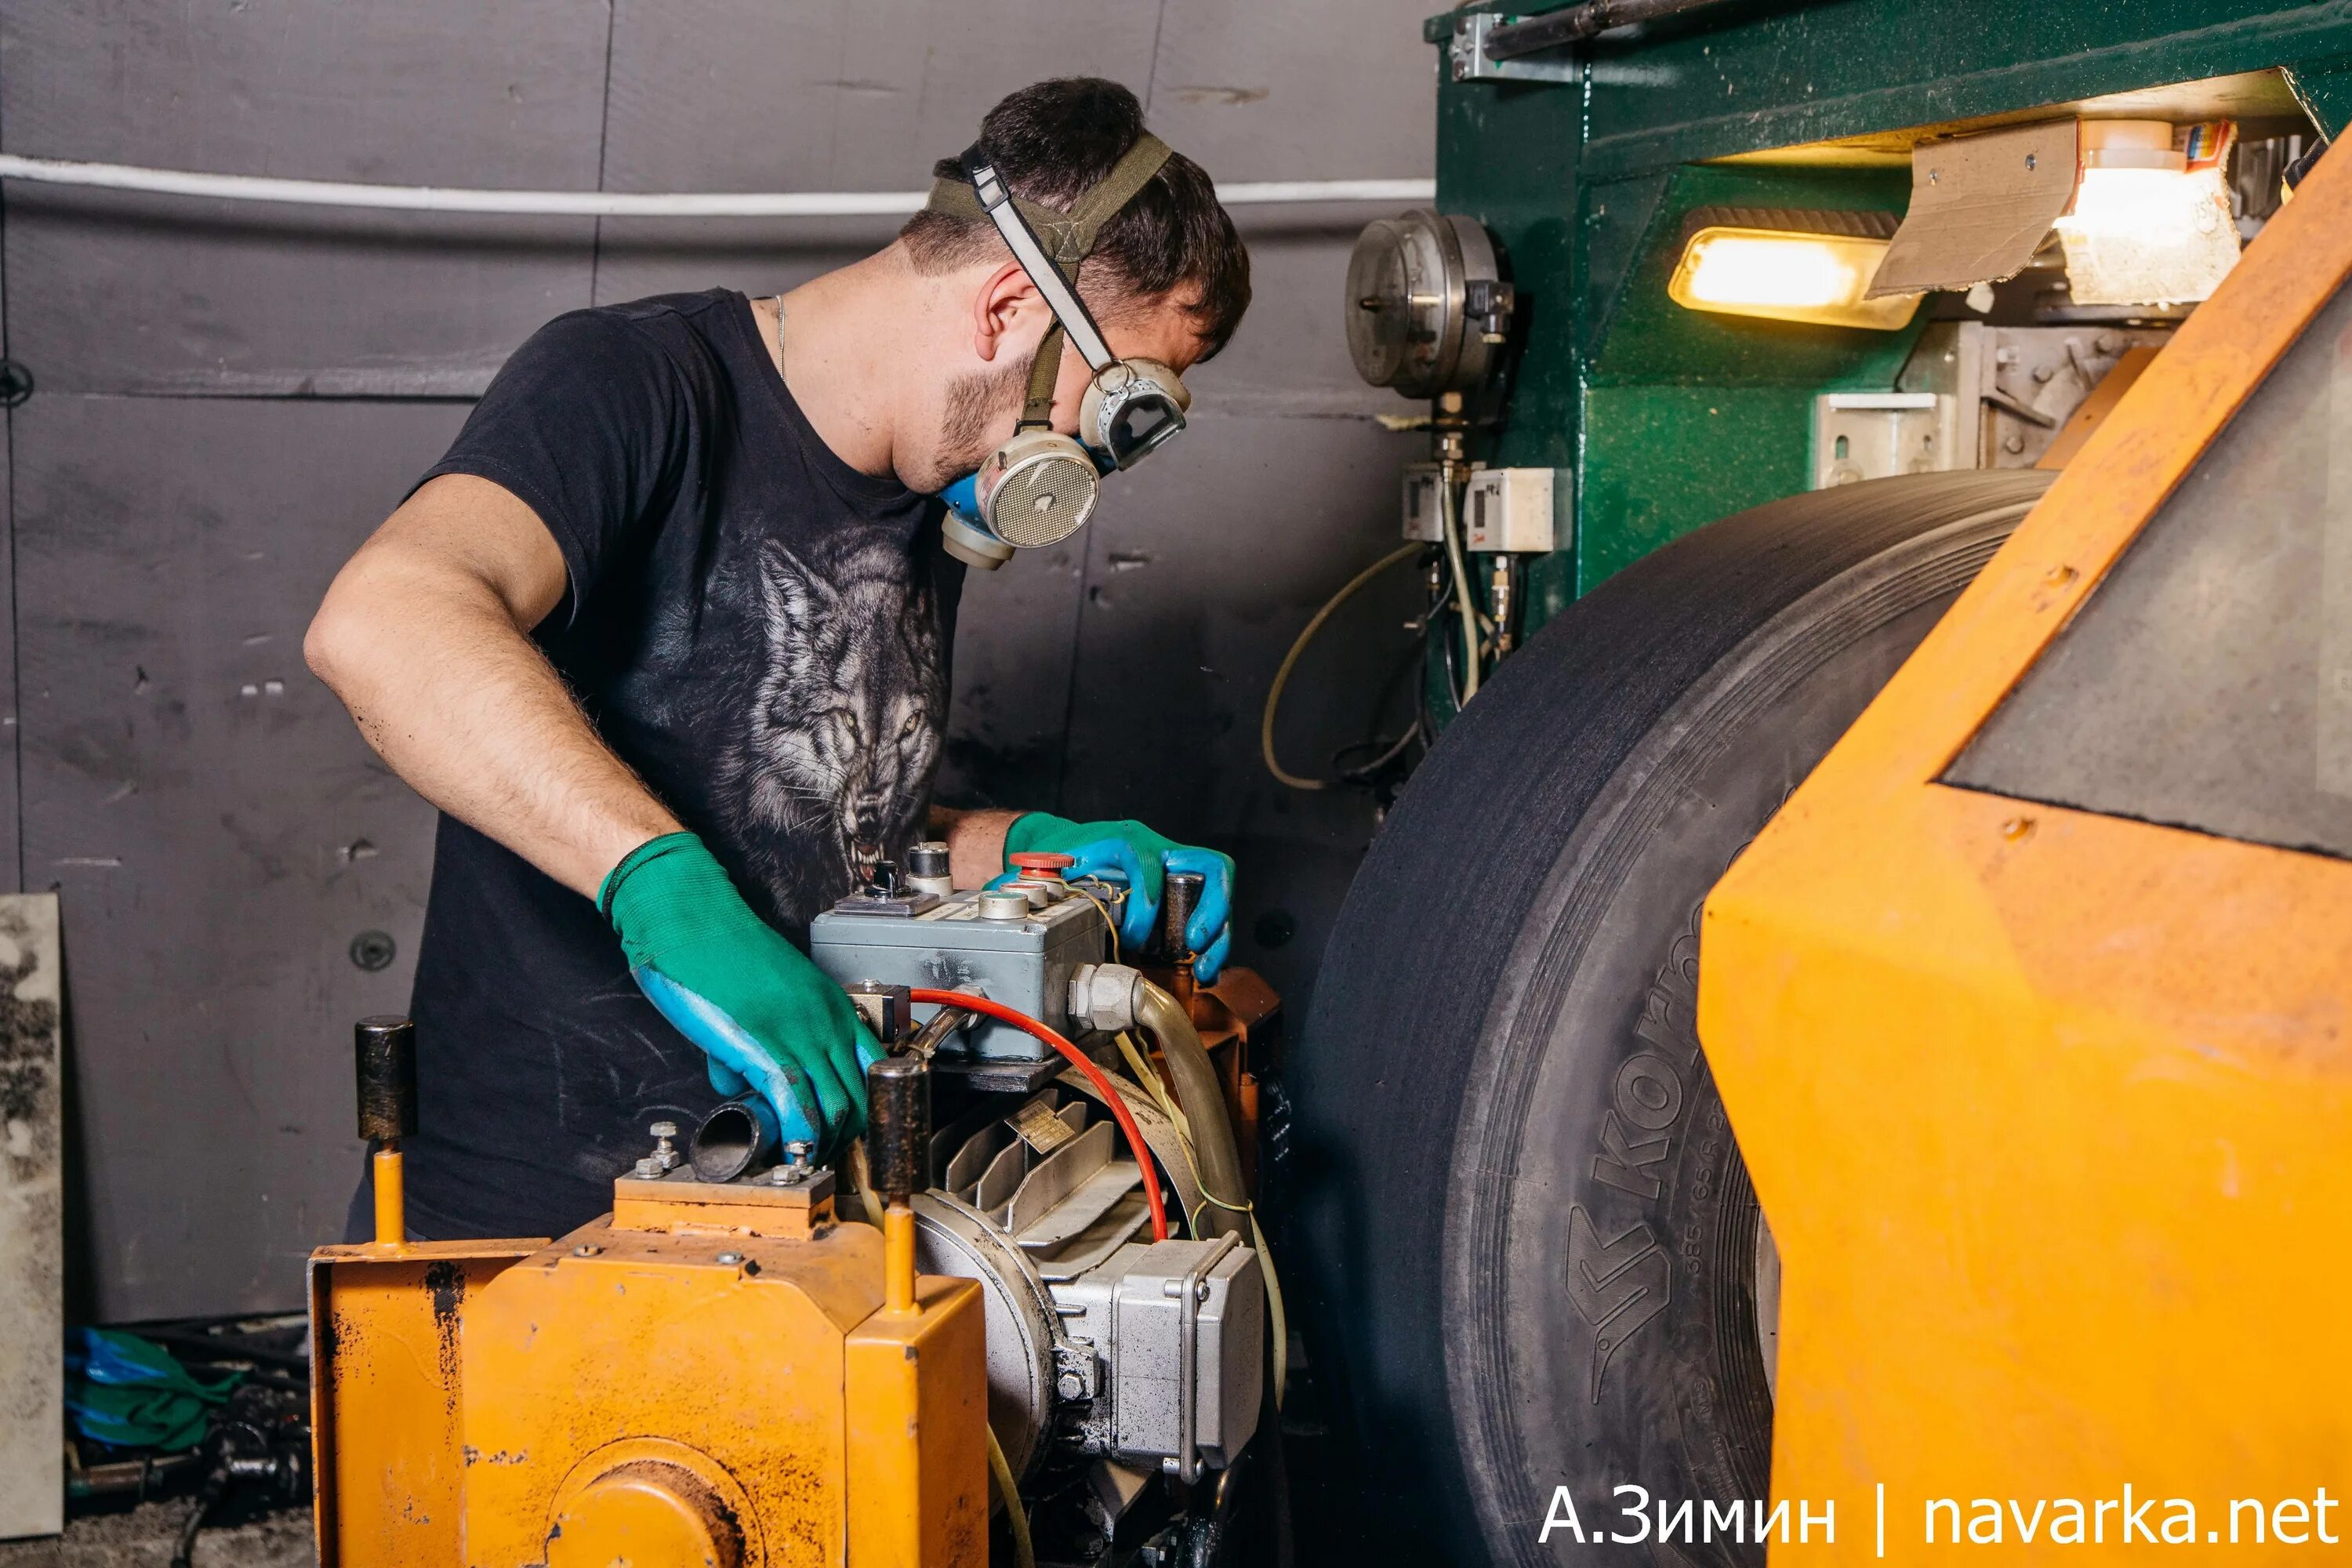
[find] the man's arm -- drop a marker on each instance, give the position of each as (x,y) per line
(424,635)
(975,842)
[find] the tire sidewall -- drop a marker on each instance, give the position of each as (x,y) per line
(1600,1244)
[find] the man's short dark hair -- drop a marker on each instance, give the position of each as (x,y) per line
(1054,140)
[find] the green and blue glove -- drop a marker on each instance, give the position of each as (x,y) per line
(1131,853)
(768,1019)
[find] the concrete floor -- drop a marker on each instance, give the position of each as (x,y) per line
(143,1538)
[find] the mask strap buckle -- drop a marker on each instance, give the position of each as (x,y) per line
(1054,274)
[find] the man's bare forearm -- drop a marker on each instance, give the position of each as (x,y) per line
(975,843)
(424,637)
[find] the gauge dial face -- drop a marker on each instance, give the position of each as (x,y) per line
(1406,325)
(1379,292)
(1396,303)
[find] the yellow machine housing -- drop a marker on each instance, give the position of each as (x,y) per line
(2046,1106)
(708,1375)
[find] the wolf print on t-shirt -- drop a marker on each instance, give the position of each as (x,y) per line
(828,767)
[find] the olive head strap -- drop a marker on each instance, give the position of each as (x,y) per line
(1050,247)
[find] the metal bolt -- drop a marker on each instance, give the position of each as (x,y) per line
(373,951)
(2014,444)
(2044,372)
(729,1258)
(586,1249)
(648,1169)
(1068,1385)
(2030,160)
(665,1155)
(796,1167)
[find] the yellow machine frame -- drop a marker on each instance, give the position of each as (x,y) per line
(716,1374)
(2050,1112)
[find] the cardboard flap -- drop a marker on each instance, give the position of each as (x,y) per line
(1980,208)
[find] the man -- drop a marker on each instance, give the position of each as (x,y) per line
(666,637)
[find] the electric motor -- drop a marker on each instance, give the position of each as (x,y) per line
(1102,1343)
(1099,1337)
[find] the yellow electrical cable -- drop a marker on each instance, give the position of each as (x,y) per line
(1282,672)
(1015,1519)
(1470,616)
(1278,1324)
(1109,923)
(1141,1067)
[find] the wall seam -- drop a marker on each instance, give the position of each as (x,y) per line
(15,627)
(1086,554)
(604,142)
(1151,71)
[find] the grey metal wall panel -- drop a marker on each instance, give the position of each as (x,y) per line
(1317,91)
(1289,357)
(640,257)
(11,862)
(1328,90)
(1201,567)
(840,95)
(218,829)
(1015,640)
(111,293)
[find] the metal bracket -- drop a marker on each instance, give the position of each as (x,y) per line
(1073,1368)
(1471,62)
(1189,1289)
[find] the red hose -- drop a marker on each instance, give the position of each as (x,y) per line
(1021,1021)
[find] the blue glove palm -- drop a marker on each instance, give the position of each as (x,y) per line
(767,1017)
(1132,854)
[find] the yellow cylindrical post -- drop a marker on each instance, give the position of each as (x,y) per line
(898,1148)
(898,1259)
(391,1197)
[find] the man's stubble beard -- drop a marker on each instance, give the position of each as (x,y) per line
(974,404)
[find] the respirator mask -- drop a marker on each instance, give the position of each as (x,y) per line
(1041,487)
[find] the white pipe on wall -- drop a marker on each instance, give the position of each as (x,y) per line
(611,204)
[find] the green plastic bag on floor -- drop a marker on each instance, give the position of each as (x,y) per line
(133,1394)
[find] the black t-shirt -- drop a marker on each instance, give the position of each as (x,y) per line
(757,628)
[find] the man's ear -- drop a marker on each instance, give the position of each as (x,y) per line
(1005,309)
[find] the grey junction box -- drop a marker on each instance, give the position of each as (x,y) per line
(1181,1329)
(1024,963)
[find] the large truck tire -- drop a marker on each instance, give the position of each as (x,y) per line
(1527,1247)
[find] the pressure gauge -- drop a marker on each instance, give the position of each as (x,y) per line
(1427,309)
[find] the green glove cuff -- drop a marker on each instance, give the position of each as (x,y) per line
(670,898)
(651,850)
(1022,834)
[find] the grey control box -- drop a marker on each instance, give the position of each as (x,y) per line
(1023,962)
(1180,1329)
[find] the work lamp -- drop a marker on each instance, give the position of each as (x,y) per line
(1787,276)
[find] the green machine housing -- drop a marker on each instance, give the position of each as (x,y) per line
(1658,419)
